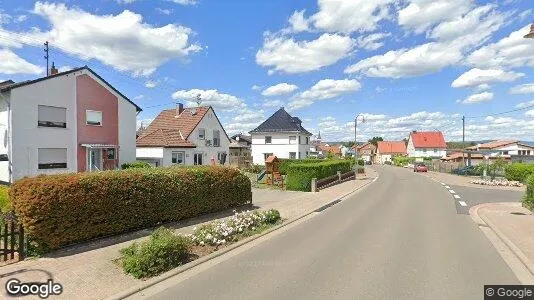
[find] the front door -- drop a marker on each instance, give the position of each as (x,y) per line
(94,160)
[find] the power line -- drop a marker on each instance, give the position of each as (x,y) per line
(502,113)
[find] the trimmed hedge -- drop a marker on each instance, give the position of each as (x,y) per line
(299,176)
(285,163)
(401,161)
(528,200)
(136,164)
(59,210)
(518,171)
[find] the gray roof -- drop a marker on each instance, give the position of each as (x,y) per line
(281,121)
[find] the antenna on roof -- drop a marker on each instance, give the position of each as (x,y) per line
(199,99)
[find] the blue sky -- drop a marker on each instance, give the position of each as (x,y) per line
(404,64)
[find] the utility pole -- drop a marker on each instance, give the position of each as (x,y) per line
(463,139)
(46,57)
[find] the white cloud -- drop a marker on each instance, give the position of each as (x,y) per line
(226,102)
(11,63)
(248,116)
(272,103)
(164,11)
(139,97)
(529,113)
(527,88)
(125,1)
(131,46)
(239,127)
(351,16)
(151,84)
(478,98)
(65,68)
(284,54)
(525,104)
(298,22)
(145,122)
(421,60)
(255,87)
(372,41)
(477,77)
(20,18)
(511,51)
(322,90)
(4,18)
(185,2)
(420,15)
(279,89)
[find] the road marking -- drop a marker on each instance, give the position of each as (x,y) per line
(447,187)
(452,192)
(456,196)
(462,203)
(442,183)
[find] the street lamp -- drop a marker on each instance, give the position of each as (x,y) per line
(357,166)
(530,35)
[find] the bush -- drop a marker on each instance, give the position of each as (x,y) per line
(528,200)
(518,171)
(285,163)
(162,252)
(136,164)
(4,199)
(401,161)
(59,210)
(254,169)
(299,176)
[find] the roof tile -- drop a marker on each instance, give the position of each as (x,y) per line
(428,139)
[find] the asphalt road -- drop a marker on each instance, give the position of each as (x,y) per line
(400,238)
(473,196)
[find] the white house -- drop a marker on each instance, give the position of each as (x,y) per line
(386,150)
(184,136)
(72,121)
(426,144)
(504,147)
(281,135)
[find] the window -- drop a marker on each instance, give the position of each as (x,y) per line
(221,158)
(197,158)
(216,138)
(201,133)
(307,140)
(50,116)
(292,155)
(424,150)
(435,150)
(505,152)
(299,139)
(52,158)
(266,155)
(93,117)
(268,139)
(110,152)
(177,157)
(528,152)
(292,139)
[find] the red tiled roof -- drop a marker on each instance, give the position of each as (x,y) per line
(170,130)
(494,144)
(391,147)
(457,155)
(428,139)
(366,146)
(334,149)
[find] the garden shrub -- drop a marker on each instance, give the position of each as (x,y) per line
(285,163)
(299,176)
(58,210)
(162,252)
(528,200)
(4,199)
(401,161)
(136,164)
(518,171)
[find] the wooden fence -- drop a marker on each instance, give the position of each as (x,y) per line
(323,183)
(12,242)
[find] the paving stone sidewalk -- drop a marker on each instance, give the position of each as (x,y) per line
(87,271)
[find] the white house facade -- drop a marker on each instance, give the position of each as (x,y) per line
(67,122)
(426,144)
(504,147)
(190,136)
(280,135)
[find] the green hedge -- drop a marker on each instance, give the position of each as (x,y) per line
(59,210)
(136,164)
(4,199)
(400,161)
(299,176)
(528,200)
(285,163)
(518,171)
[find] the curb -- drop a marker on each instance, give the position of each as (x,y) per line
(481,220)
(151,282)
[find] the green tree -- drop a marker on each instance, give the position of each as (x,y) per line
(497,167)
(375,140)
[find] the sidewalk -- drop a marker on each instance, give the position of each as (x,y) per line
(87,271)
(464,181)
(513,224)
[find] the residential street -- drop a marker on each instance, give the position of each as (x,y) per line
(400,238)
(474,196)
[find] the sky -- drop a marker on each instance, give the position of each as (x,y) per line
(400,65)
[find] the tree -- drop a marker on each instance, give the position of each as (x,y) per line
(375,140)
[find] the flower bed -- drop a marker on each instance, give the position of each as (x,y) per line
(165,250)
(497,182)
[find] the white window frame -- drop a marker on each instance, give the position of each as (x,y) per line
(88,111)
(201,133)
(51,123)
(292,139)
(114,153)
(216,138)
(195,161)
(63,164)
(270,139)
(219,156)
(178,152)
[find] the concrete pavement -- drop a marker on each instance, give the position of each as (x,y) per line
(400,238)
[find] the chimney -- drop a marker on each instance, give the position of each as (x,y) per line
(179,109)
(53,70)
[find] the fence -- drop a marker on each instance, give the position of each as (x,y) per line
(12,242)
(444,167)
(332,180)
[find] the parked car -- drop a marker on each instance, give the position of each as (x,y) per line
(469,170)
(420,168)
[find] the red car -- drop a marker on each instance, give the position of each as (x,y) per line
(420,168)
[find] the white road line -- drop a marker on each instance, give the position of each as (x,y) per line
(447,187)
(442,183)
(456,196)
(462,203)
(452,192)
